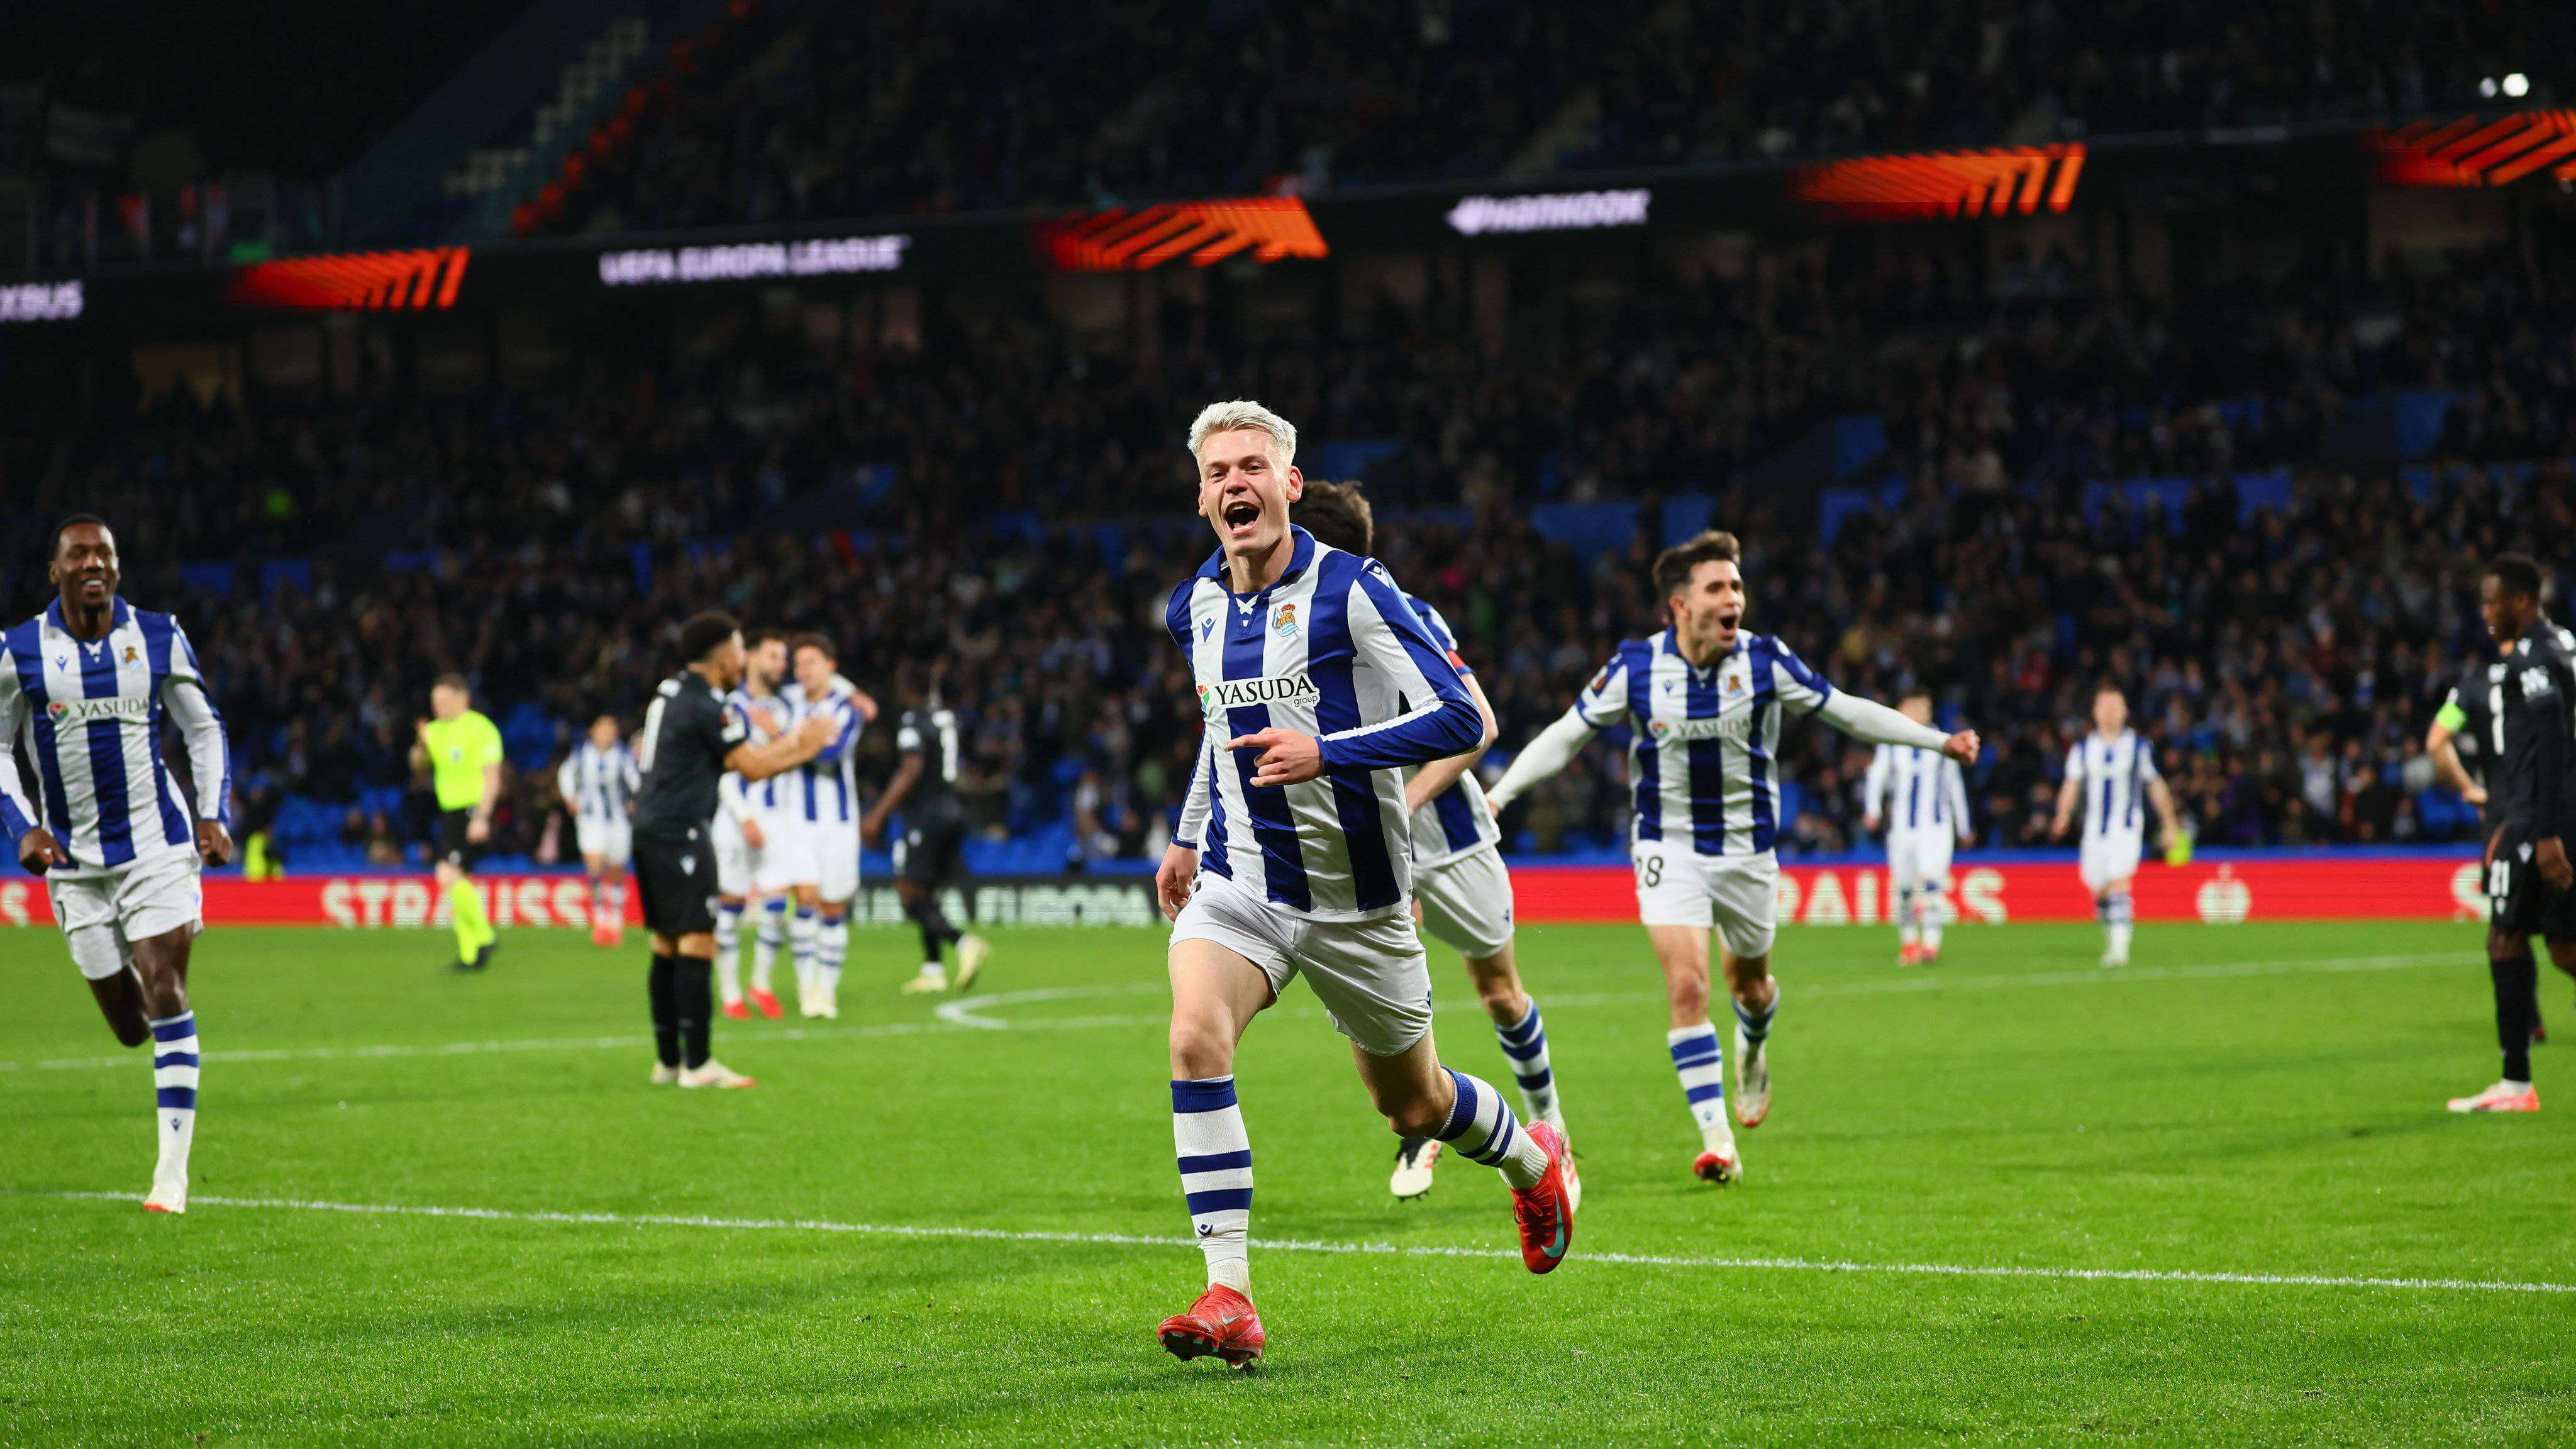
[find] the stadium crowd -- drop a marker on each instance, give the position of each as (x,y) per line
(974,504)
(841,111)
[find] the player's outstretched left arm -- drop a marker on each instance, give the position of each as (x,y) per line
(192,709)
(1866,720)
(36,848)
(1386,636)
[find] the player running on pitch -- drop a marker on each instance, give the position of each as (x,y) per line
(746,867)
(1703,701)
(2109,771)
(1458,876)
(597,782)
(1318,684)
(821,810)
(88,682)
(461,748)
(2531,884)
(1923,796)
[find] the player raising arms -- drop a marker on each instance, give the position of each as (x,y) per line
(1703,702)
(1923,796)
(2109,771)
(821,806)
(1459,880)
(597,782)
(89,681)
(1306,659)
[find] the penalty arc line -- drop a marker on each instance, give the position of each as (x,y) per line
(965,1015)
(1396,1250)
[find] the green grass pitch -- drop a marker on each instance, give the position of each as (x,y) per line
(882,1242)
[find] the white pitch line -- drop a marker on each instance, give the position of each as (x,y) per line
(966,1014)
(1398,1250)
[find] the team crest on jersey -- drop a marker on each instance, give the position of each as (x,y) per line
(1735,684)
(1283,621)
(1659,728)
(130,654)
(2535,682)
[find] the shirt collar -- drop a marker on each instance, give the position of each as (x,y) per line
(1300,557)
(118,612)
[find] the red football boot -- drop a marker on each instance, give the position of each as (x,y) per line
(1545,1212)
(767,1001)
(736,1011)
(1222,1323)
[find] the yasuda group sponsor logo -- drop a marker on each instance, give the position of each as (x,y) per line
(1267,689)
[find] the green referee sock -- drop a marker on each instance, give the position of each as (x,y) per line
(473,928)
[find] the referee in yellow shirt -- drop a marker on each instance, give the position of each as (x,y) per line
(463,753)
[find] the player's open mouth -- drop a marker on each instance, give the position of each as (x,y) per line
(1240,516)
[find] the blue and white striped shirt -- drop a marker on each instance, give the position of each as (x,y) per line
(1455,821)
(1331,650)
(760,797)
(1702,740)
(92,713)
(825,788)
(2114,772)
(598,784)
(1915,792)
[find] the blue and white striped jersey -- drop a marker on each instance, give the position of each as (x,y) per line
(1455,821)
(1701,741)
(1915,791)
(825,788)
(597,784)
(92,713)
(766,717)
(2114,773)
(1334,651)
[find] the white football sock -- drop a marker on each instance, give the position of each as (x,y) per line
(1214,1153)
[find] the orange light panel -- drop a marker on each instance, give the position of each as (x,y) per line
(1206,232)
(408,281)
(2476,151)
(2007,181)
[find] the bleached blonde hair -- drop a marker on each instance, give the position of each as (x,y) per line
(1226,417)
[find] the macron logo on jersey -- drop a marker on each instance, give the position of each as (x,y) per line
(1267,689)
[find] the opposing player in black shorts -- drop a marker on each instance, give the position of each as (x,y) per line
(2531,884)
(691,737)
(932,854)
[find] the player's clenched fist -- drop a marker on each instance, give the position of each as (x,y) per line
(1172,879)
(1286,758)
(38,852)
(1963,747)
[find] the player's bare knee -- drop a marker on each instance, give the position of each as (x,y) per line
(1200,1049)
(1689,995)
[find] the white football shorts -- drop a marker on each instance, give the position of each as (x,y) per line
(612,839)
(102,912)
(1371,975)
(1467,902)
(1736,895)
(2108,859)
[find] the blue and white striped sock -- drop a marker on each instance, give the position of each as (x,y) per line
(765,942)
(831,947)
(1482,1128)
(1755,1025)
(1702,1068)
(2119,913)
(1932,905)
(1907,927)
(1525,1043)
(800,941)
(729,951)
(174,1090)
(1215,1158)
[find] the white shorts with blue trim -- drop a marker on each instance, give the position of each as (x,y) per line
(1370,974)
(1736,895)
(103,912)
(1467,902)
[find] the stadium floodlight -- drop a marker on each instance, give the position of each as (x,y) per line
(2487,87)
(2517,85)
